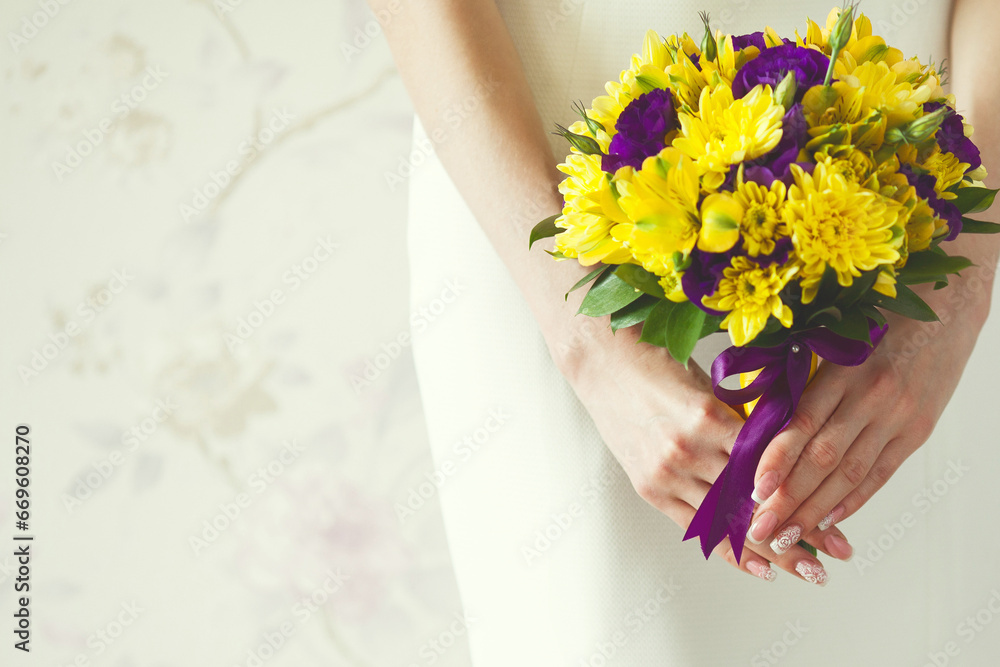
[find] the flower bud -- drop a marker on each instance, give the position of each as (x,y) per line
(592,124)
(784,94)
(585,145)
(709,48)
(841,32)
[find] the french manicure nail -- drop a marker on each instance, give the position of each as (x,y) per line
(763,527)
(762,570)
(838,547)
(830,519)
(767,485)
(786,539)
(812,572)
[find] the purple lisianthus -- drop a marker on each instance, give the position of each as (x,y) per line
(741,42)
(703,276)
(944,209)
(771,66)
(951,137)
(641,129)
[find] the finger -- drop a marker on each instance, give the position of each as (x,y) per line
(832,542)
(887,463)
(818,459)
(795,560)
(824,508)
(781,454)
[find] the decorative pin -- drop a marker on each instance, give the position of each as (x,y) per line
(795,348)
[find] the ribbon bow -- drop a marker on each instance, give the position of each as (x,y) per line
(784,373)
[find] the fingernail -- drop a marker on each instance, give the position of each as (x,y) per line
(762,570)
(838,547)
(763,527)
(831,518)
(812,572)
(767,485)
(786,539)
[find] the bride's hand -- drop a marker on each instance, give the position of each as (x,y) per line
(666,428)
(856,425)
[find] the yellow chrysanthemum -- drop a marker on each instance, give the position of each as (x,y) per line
(837,223)
(727,131)
(590,211)
(764,220)
(661,202)
(750,295)
(854,165)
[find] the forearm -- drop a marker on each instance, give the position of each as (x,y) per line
(498,155)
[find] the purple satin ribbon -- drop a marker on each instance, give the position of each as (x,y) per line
(784,368)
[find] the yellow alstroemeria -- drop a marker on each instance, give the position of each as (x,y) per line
(661,203)
(749,295)
(725,131)
(590,211)
(721,215)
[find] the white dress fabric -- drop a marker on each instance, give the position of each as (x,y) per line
(558,561)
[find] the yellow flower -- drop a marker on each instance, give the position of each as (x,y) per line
(763,223)
(727,131)
(872,86)
(947,169)
(671,284)
(661,202)
(721,214)
(750,294)
(837,223)
(590,211)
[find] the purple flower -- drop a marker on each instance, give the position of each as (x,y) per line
(703,276)
(641,129)
(771,66)
(944,209)
(776,163)
(741,42)
(951,137)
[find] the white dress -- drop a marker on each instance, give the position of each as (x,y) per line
(558,561)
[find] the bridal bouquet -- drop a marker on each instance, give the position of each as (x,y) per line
(785,191)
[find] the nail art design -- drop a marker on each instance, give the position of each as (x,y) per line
(762,570)
(786,538)
(812,572)
(831,518)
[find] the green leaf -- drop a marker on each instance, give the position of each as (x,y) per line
(831,311)
(929,267)
(941,284)
(850,295)
(712,324)
(654,329)
(544,229)
(634,313)
(853,325)
(608,294)
(683,330)
(580,142)
(974,200)
(906,303)
(970,226)
(586,279)
(872,312)
(828,287)
(641,279)
(808,547)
